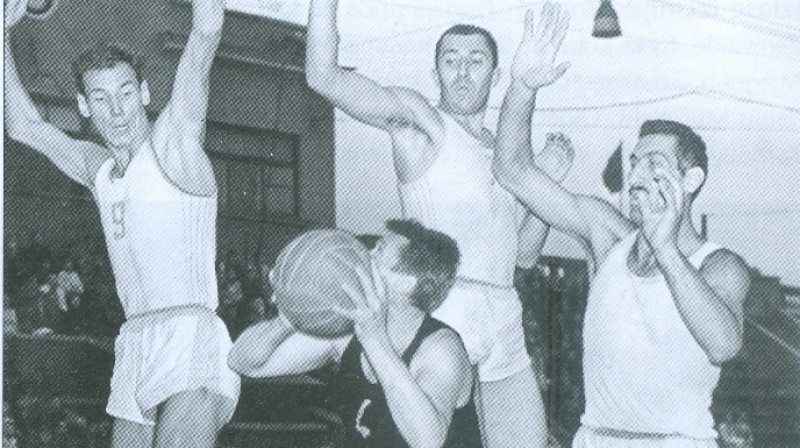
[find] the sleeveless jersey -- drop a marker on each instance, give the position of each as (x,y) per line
(365,412)
(161,241)
(643,369)
(459,196)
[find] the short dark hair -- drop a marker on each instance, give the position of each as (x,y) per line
(468,30)
(691,148)
(430,256)
(103,56)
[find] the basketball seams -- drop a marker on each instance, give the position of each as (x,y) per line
(309,276)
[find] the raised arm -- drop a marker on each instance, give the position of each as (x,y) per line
(78,159)
(588,219)
(179,131)
(555,160)
(358,96)
(274,348)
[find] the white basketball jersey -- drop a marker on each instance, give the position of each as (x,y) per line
(643,369)
(161,240)
(458,195)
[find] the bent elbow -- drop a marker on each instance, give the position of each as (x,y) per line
(505,173)
(725,353)
(319,79)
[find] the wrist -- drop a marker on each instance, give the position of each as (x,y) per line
(518,84)
(667,252)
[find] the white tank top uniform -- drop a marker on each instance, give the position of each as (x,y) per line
(162,246)
(459,196)
(643,370)
(161,240)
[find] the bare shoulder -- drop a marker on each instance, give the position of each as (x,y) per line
(443,353)
(725,269)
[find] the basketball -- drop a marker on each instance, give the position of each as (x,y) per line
(308,276)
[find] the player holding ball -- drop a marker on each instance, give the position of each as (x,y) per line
(405,378)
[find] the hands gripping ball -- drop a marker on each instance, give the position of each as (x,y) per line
(308,276)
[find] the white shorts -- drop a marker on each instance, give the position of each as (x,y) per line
(166,352)
(489,320)
(587,437)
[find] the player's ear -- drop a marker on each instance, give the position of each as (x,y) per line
(496,75)
(144,91)
(83,106)
(435,76)
(693,179)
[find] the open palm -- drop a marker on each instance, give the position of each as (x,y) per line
(534,62)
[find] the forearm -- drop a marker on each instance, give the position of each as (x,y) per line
(416,417)
(322,50)
(514,126)
(709,319)
(256,345)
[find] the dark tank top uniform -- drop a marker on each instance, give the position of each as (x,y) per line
(365,413)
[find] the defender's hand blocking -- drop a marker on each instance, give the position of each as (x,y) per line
(556,157)
(14,11)
(534,62)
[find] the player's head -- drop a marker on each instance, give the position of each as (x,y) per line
(417,263)
(669,147)
(466,68)
(112,93)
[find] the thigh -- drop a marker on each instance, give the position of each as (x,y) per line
(128,434)
(192,419)
(511,410)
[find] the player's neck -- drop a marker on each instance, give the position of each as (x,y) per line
(123,154)
(472,123)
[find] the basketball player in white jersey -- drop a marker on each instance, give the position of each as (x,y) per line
(442,157)
(665,307)
(155,189)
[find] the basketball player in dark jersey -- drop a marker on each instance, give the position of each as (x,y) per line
(405,378)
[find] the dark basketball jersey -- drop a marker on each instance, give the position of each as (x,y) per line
(365,412)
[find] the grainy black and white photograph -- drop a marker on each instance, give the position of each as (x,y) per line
(401,223)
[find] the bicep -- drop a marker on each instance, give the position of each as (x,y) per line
(443,371)
(727,275)
(178,147)
(78,159)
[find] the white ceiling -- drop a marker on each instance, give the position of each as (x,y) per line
(740,50)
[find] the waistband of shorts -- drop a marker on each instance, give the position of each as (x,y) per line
(165,314)
(467,281)
(630,435)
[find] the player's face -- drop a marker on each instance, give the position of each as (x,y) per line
(652,154)
(465,73)
(115,103)
(386,258)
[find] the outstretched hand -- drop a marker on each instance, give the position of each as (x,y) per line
(14,11)
(534,61)
(556,157)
